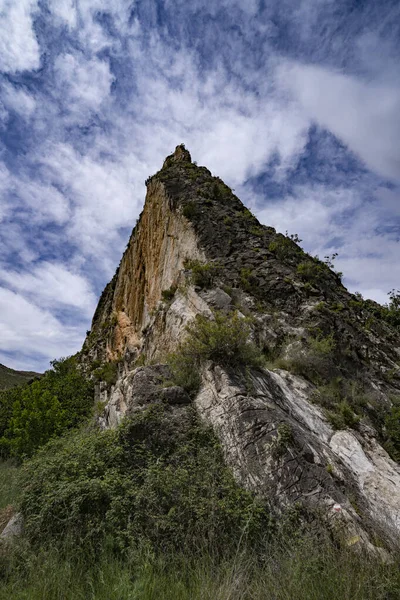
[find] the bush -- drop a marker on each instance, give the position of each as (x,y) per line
(247,280)
(159,480)
(202,274)
(315,361)
(167,295)
(392,425)
(190,210)
(343,416)
(108,373)
(34,413)
(284,247)
(223,339)
(311,271)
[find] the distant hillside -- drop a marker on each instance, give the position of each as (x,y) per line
(10,378)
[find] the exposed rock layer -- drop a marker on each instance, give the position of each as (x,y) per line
(277,441)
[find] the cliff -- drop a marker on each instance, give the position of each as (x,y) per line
(308,427)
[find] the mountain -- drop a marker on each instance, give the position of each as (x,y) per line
(10,378)
(299,378)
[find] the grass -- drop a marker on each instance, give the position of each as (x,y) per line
(9,491)
(9,472)
(304,570)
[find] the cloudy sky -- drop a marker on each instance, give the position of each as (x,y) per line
(294,103)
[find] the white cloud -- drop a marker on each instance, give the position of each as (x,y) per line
(52,285)
(64,11)
(83,83)
(19,49)
(31,331)
(18,99)
(105,194)
(365,116)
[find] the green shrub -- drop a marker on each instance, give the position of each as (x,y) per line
(202,274)
(167,295)
(311,271)
(220,190)
(283,247)
(190,210)
(392,425)
(185,370)
(283,441)
(322,345)
(315,361)
(224,340)
(247,280)
(108,373)
(158,480)
(34,413)
(343,416)
(258,231)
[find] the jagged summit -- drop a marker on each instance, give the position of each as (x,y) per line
(333,367)
(181,154)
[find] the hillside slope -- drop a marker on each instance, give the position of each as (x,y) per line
(311,424)
(10,378)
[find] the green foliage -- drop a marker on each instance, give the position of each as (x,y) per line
(392,425)
(346,401)
(202,274)
(247,280)
(343,416)
(246,214)
(37,417)
(284,247)
(185,369)
(190,210)
(258,231)
(159,480)
(167,295)
(227,221)
(309,568)
(311,271)
(108,373)
(10,378)
(220,190)
(9,488)
(224,340)
(315,361)
(33,414)
(283,440)
(322,345)
(389,312)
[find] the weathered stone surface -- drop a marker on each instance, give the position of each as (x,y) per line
(13,528)
(175,395)
(312,464)
(140,388)
(278,443)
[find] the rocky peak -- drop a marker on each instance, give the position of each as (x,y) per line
(180,155)
(332,367)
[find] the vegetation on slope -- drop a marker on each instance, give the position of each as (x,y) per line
(30,415)
(150,511)
(224,339)
(10,378)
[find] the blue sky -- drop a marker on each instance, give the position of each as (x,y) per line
(294,103)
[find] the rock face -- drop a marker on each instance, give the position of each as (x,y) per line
(278,441)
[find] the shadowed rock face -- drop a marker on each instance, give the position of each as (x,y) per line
(278,442)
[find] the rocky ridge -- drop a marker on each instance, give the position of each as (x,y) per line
(195,250)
